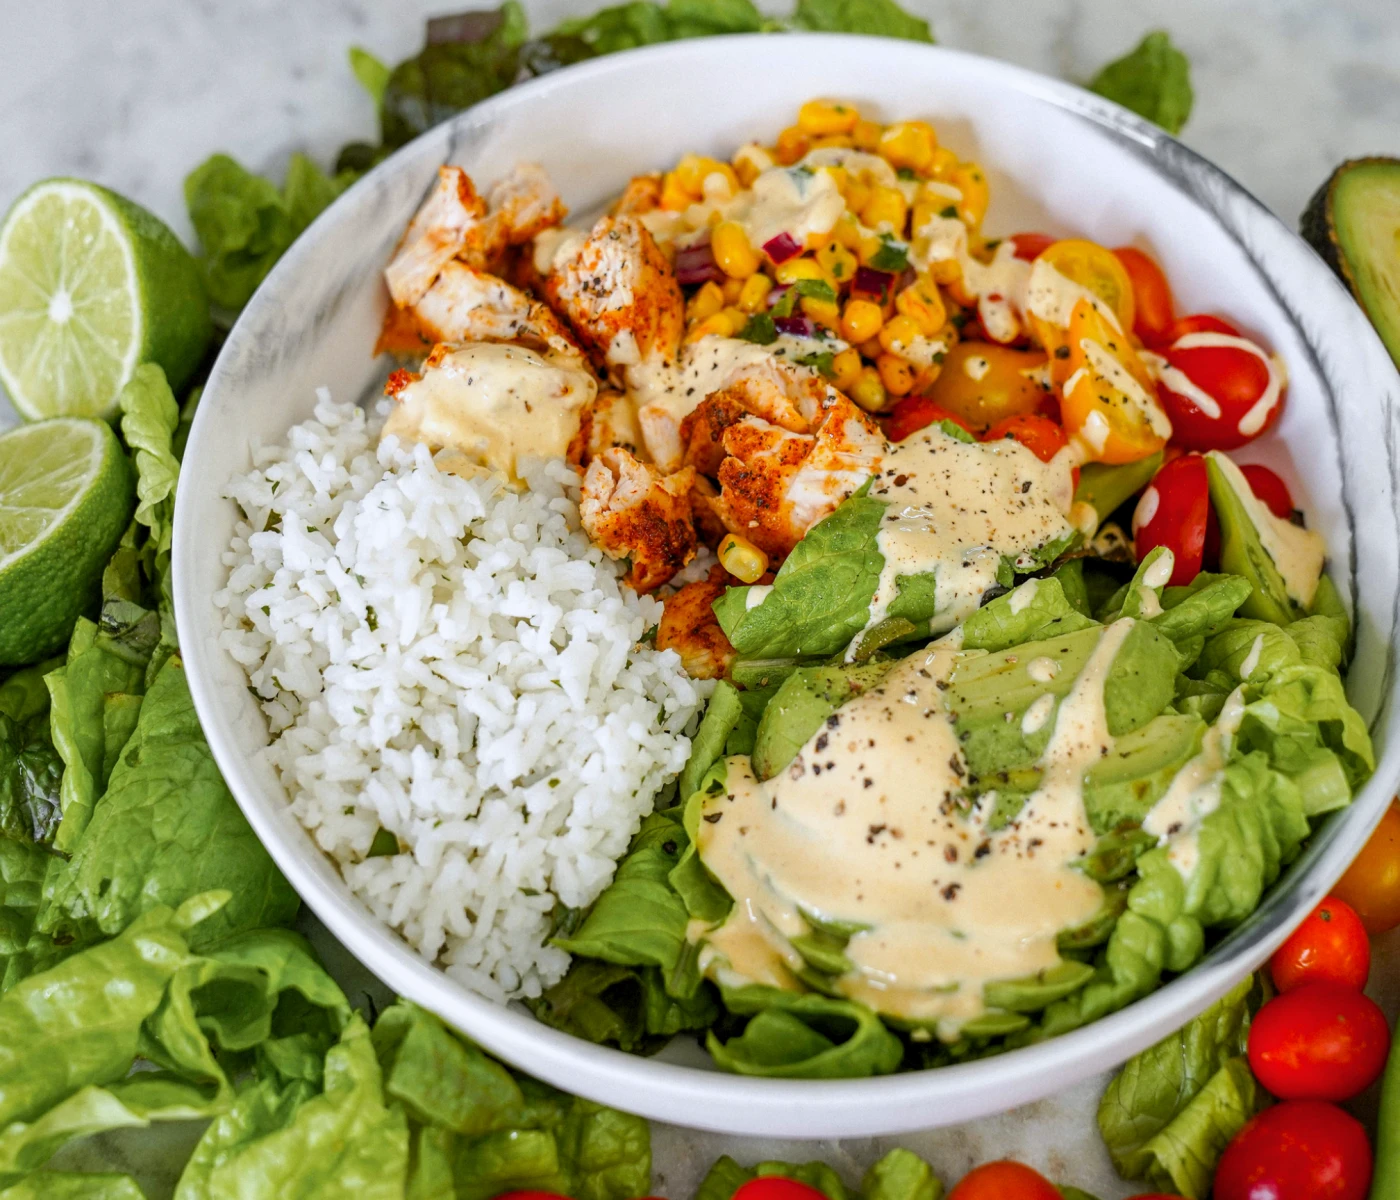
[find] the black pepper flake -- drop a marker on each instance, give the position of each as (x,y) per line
(956,766)
(797,770)
(821,742)
(713,818)
(983,849)
(1173,828)
(950,853)
(950,892)
(669,847)
(869,782)
(900,480)
(875,831)
(833,721)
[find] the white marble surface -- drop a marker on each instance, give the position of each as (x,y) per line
(135,94)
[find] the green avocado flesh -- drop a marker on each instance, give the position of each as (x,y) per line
(1354,223)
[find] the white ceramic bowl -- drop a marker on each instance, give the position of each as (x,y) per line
(1058,159)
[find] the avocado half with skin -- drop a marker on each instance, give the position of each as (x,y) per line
(1354,223)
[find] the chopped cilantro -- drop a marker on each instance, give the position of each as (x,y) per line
(818,289)
(892,256)
(906,173)
(759,328)
(786,302)
(950,211)
(820,361)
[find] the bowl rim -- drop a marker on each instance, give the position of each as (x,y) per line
(805,1108)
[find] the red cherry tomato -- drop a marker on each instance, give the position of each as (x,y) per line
(1299,1150)
(1211,392)
(1318,1042)
(1153,316)
(914,413)
(1330,946)
(1029,245)
(1173,512)
(1040,435)
(1004,1181)
(776,1187)
(1270,489)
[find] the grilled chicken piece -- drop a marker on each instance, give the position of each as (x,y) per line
(617,290)
(688,626)
(641,195)
(631,510)
(776,484)
(608,421)
(468,305)
(705,509)
(456,223)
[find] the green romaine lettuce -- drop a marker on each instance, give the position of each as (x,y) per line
(901,1175)
(31,770)
(1153,80)
(73,1185)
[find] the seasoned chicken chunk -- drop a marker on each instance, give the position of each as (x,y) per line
(631,510)
(617,290)
(688,626)
(641,195)
(608,421)
(468,305)
(521,206)
(776,484)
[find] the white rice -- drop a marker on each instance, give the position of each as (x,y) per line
(453,661)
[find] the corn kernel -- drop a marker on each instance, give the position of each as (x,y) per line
(717,323)
(819,117)
(886,210)
(837,261)
(869,390)
(922,303)
(826,313)
(847,230)
(741,558)
(693,168)
(792,144)
(803,267)
(730,244)
(832,141)
(706,302)
(944,163)
(868,245)
(945,272)
(839,176)
(737,318)
(750,161)
(897,335)
(861,320)
(846,367)
(732,288)
(968,179)
(926,376)
(858,192)
(928,207)
(865,135)
(909,144)
(896,374)
(674,195)
(753,296)
(720,185)
(871,349)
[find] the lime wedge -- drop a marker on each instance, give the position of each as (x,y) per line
(67,491)
(91,285)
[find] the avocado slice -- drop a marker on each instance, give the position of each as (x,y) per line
(1107,485)
(807,697)
(1353,221)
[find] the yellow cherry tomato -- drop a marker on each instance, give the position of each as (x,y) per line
(1109,402)
(1085,265)
(983,383)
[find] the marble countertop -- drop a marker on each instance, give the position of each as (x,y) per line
(134,95)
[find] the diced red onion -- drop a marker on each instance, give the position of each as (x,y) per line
(696,264)
(795,326)
(782,247)
(870,282)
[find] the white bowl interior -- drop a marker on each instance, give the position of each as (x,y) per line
(1058,160)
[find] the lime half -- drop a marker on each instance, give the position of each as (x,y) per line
(67,492)
(91,285)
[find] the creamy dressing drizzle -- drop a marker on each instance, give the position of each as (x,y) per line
(1254,420)
(864,827)
(955,508)
(1000,286)
(1251,660)
(1194,792)
(1298,554)
(1106,365)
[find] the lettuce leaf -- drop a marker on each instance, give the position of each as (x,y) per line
(166,829)
(31,770)
(1153,80)
(1172,1109)
(883,18)
(23,866)
(73,1185)
(901,1175)
(726,1176)
(627,1007)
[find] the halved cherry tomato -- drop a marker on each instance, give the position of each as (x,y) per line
(1372,882)
(1108,402)
(776,1187)
(1212,392)
(1330,946)
(1004,1181)
(982,383)
(1174,511)
(1270,489)
(1318,1042)
(1040,435)
(1151,292)
(1299,1150)
(1086,266)
(1030,246)
(914,413)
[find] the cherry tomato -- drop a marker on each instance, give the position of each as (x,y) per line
(1004,1181)
(1030,246)
(1174,511)
(1096,269)
(1212,392)
(1151,292)
(983,382)
(776,1187)
(914,413)
(1299,1150)
(1108,404)
(1330,946)
(1372,883)
(1318,1042)
(1270,489)
(1040,435)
